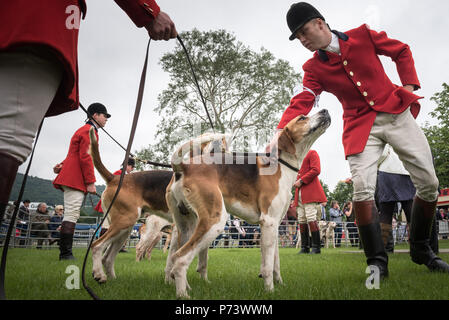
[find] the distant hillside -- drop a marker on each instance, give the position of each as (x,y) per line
(42,190)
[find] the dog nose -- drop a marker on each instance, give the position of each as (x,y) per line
(324,112)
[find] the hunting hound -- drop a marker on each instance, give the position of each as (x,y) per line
(202,191)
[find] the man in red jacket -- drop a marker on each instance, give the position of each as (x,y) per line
(39,69)
(76,176)
(376,112)
(308,195)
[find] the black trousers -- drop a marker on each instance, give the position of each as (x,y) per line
(353,233)
(386,216)
(387,209)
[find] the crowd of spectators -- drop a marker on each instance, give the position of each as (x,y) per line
(42,224)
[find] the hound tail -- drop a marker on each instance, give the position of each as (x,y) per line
(95,154)
(198,146)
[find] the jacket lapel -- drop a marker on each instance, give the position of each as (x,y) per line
(344,45)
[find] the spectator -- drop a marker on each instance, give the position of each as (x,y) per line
(55,224)
(255,232)
(23,220)
(323,211)
(236,231)
(283,232)
(40,221)
(350,224)
(39,69)
(394,228)
(441,214)
(292,218)
(337,216)
(24,210)
(224,235)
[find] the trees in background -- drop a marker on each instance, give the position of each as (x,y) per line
(438,135)
(245,92)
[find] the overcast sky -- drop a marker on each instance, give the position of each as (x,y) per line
(111,53)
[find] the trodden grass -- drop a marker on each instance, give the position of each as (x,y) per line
(336,274)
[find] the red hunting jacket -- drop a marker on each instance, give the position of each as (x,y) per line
(77,168)
(311,190)
(98,207)
(44,23)
(358,80)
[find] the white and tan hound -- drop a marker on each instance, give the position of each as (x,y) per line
(141,192)
(151,233)
(201,193)
(327,232)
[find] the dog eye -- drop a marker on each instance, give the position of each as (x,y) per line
(302,118)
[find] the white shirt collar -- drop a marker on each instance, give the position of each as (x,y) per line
(334,46)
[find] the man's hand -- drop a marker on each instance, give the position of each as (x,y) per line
(409,87)
(57,168)
(162,28)
(91,188)
(298,184)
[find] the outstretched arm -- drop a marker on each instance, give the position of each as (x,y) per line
(146,13)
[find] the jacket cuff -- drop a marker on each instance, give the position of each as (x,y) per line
(141,12)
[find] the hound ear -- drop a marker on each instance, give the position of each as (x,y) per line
(285,142)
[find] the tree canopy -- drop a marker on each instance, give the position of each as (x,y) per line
(438,135)
(342,193)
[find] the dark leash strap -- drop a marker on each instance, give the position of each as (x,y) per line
(196,80)
(13,219)
(125,162)
(266,155)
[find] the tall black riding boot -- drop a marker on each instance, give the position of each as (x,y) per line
(8,171)
(367,218)
(66,240)
(434,245)
(305,246)
(423,214)
(316,239)
(387,237)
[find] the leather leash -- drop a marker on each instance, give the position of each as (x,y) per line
(125,162)
(196,81)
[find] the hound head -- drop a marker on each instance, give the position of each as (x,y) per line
(300,133)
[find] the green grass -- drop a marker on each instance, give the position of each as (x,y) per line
(336,274)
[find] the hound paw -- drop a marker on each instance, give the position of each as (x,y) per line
(279,281)
(182,295)
(100,278)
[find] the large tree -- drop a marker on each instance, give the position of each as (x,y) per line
(245,93)
(438,135)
